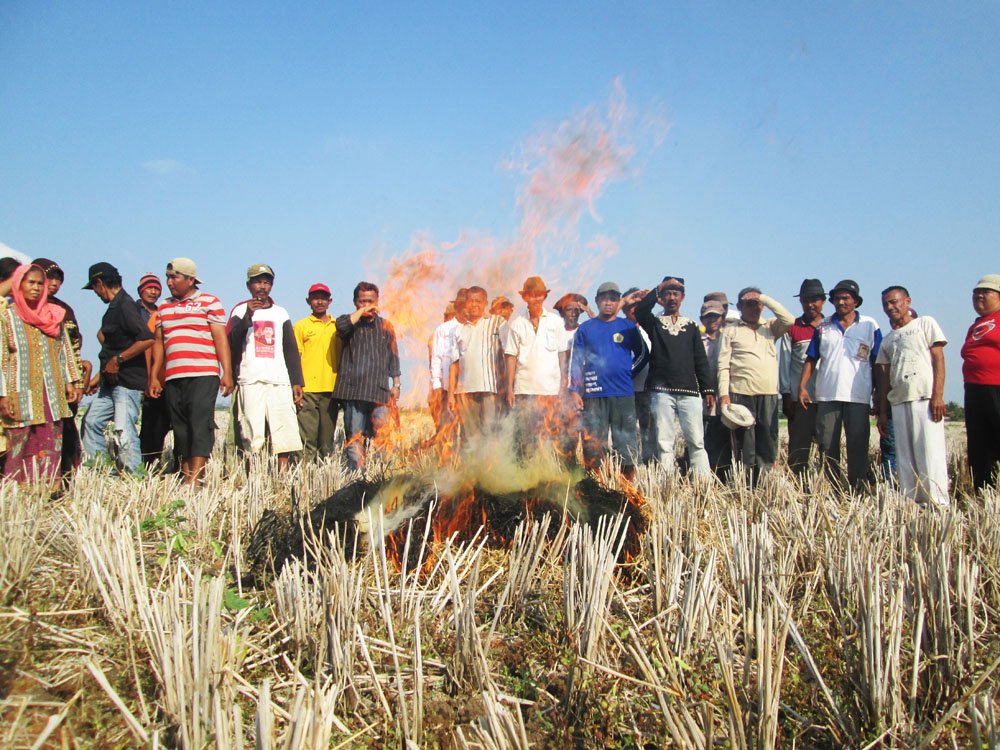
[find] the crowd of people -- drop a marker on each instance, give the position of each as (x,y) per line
(621,381)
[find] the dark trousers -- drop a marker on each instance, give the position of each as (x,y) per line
(801,435)
(191,402)
(854,420)
(757,446)
(982,432)
(153,428)
(477,413)
(537,420)
(317,424)
(70,455)
(718,445)
(647,427)
(601,415)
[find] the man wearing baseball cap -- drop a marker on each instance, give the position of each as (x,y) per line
(267,370)
(842,353)
(793,346)
(192,349)
(319,348)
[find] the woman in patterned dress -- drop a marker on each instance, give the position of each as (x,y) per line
(39,379)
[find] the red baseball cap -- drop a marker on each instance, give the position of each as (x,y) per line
(319,288)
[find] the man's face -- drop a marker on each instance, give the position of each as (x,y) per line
(365,299)
(844,303)
(55,284)
(475,306)
(506,310)
(750,307)
(671,298)
(534,300)
(812,307)
(319,303)
(260,287)
(607,304)
(150,295)
(986,301)
(100,290)
(571,315)
(896,306)
(179,284)
(711,321)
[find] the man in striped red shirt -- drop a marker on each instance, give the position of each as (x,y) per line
(191,338)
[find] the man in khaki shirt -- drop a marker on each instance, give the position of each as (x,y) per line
(748,375)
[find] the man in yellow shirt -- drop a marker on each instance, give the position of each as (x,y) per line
(319,348)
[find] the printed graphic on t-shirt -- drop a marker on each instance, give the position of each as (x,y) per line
(864,351)
(982,329)
(263,338)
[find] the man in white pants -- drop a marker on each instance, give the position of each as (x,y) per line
(267,368)
(909,371)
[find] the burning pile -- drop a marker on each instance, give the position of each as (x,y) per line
(463,502)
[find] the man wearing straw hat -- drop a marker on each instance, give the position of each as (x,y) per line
(536,366)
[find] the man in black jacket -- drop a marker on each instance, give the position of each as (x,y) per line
(678,374)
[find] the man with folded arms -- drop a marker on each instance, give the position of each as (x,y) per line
(748,375)
(267,369)
(910,373)
(794,344)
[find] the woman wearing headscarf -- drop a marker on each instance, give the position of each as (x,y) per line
(71,449)
(39,379)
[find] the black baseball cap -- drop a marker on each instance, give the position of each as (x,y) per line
(99,270)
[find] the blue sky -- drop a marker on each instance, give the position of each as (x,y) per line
(771,142)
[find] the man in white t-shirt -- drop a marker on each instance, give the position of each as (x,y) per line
(910,372)
(267,369)
(536,366)
(475,371)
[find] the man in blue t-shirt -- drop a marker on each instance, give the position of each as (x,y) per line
(606,350)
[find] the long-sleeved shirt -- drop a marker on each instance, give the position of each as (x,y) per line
(677,362)
(605,354)
(263,347)
(36,369)
(442,353)
(748,360)
(368,360)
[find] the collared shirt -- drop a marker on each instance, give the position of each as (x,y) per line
(122,326)
(479,355)
(793,347)
(845,357)
(712,354)
(748,359)
(537,370)
(368,360)
(187,335)
(319,348)
(443,353)
(907,351)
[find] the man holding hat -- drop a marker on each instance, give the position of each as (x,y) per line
(679,377)
(267,369)
(605,352)
(190,347)
(842,352)
(536,364)
(125,337)
(319,350)
(801,421)
(748,375)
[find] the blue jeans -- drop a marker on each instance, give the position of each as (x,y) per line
(362,419)
(119,405)
(666,407)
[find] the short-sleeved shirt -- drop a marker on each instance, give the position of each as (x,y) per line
(319,347)
(845,359)
(537,370)
(478,351)
(981,351)
(907,351)
(187,335)
(122,326)
(604,354)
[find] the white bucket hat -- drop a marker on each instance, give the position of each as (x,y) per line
(736,416)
